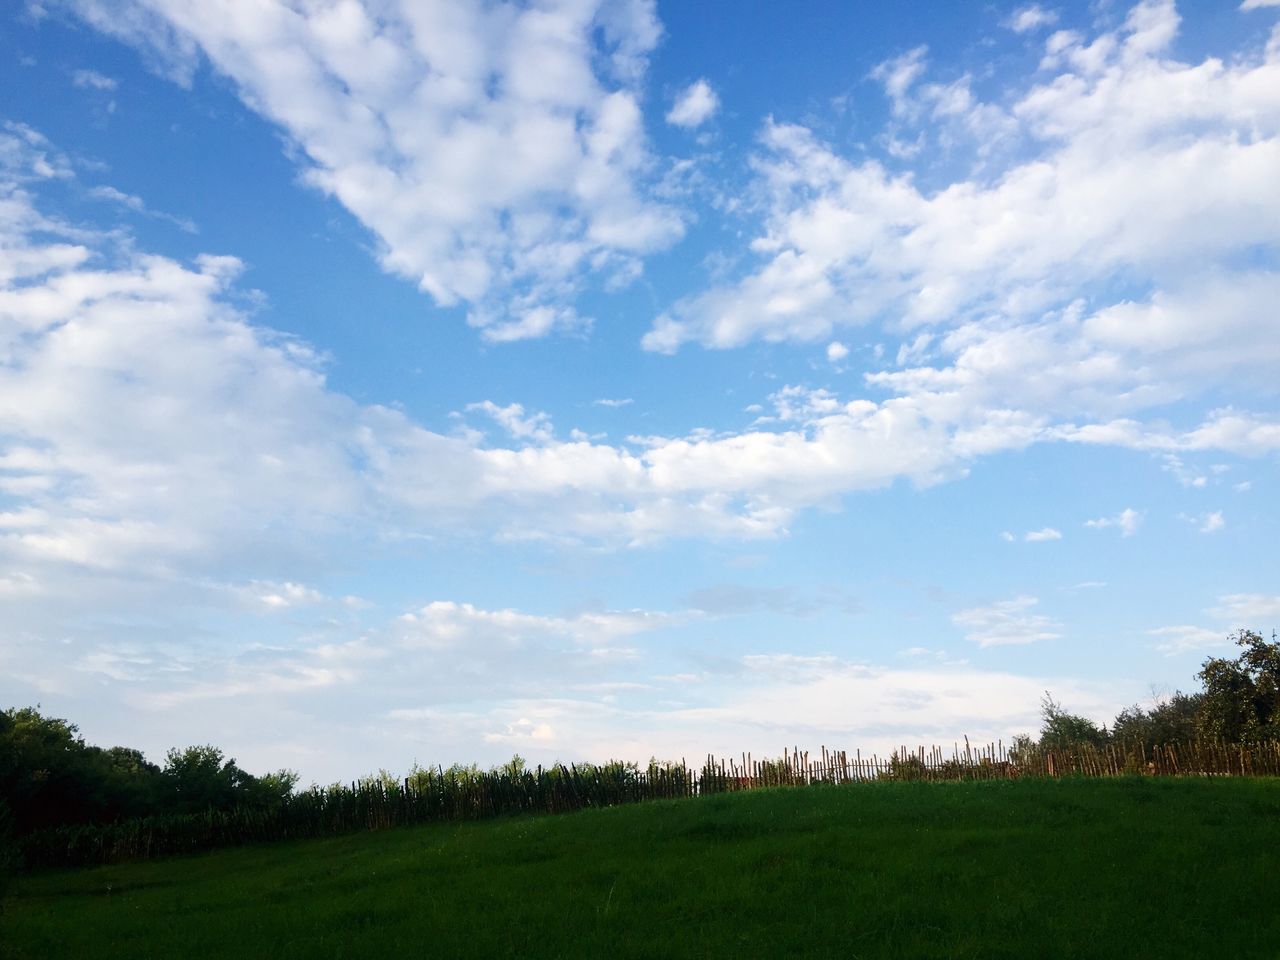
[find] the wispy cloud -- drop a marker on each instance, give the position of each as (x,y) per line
(1043,535)
(1208,522)
(1032,17)
(1186,639)
(92,80)
(1126,521)
(1005,623)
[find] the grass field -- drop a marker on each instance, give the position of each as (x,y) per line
(1155,867)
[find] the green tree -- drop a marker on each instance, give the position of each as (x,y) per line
(1173,720)
(200,778)
(1241,700)
(1062,730)
(50,776)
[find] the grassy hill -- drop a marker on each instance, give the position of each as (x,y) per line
(1074,868)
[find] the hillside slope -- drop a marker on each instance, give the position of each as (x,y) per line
(1072,868)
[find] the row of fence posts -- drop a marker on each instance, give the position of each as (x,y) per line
(991,762)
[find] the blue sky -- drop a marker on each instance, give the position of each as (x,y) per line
(420,381)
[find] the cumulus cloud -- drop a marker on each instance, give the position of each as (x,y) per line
(694,105)
(836,351)
(1014,290)
(135,398)
(1006,622)
(1259,4)
(496,151)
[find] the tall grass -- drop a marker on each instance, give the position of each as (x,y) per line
(471,794)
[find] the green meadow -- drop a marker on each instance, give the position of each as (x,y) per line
(1125,867)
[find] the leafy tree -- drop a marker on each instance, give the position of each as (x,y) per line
(1241,700)
(1062,730)
(200,778)
(50,776)
(1173,720)
(513,767)
(273,789)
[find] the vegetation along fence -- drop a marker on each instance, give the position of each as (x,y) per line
(468,793)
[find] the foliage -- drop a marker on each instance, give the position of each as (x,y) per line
(1173,720)
(1063,730)
(51,777)
(905,767)
(1241,701)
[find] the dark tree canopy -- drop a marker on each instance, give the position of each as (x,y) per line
(49,776)
(1241,700)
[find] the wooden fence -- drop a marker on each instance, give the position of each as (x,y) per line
(442,795)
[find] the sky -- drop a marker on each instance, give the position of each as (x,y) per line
(394,381)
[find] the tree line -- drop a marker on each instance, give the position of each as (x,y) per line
(1239,702)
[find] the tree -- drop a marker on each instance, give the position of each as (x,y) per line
(1062,730)
(1241,701)
(199,778)
(1173,720)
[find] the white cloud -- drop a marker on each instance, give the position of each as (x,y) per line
(92,80)
(1126,521)
(1006,622)
(900,74)
(1012,285)
(1042,536)
(1248,609)
(512,418)
(131,202)
(836,351)
(614,404)
(846,241)
(444,624)
(694,105)
(1187,639)
(496,151)
(153,433)
(775,700)
(283,596)
(1259,4)
(1235,611)
(1208,522)
(1032,17)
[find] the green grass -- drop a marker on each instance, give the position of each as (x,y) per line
(1075,868)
